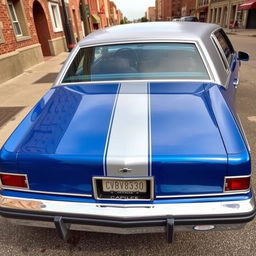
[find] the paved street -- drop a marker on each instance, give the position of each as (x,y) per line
(25,90)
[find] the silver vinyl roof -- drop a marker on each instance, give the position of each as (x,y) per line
(193,31)
(199,33)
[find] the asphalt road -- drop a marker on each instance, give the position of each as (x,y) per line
(18,240)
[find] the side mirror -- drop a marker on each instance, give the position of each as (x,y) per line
(243,56)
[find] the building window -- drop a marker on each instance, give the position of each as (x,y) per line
(18,19)
(55,16)
(15,21)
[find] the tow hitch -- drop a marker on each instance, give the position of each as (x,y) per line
(62,228)
(169,229)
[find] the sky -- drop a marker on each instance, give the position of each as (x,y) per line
(134,9)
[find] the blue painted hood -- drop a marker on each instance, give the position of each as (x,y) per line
(61,144)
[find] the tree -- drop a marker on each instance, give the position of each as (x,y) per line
(144,19)
(124,21)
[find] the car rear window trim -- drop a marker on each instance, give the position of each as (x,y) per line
(59,81)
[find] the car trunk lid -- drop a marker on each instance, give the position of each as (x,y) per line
(164,130)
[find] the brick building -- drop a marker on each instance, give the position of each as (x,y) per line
(151,13)
(77,18)
(120,16)
(94,11)
(158,9)
(29,30)
(202,10)
(188,7)
(228,13)
(33,29)
(107,11)
(114,19)
(170,9)
(166,9)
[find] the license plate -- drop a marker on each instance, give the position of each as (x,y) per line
(123,188)
(126,186)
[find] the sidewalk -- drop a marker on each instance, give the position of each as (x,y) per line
(241,32)
(20,94)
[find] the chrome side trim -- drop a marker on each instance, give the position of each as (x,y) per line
(243,133)
(152,192)
(203,195)
(157,197)
(139,81)
(127,210)
(46,192)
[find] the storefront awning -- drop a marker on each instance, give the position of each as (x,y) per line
(249,4)
(95,19)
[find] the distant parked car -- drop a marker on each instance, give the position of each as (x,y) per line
(189,18)
(176,19)
(138,134)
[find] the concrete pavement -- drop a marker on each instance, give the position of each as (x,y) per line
(26,89)
(241,32)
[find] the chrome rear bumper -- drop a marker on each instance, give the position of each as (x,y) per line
(126,218)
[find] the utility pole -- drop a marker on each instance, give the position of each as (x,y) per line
(69,38)
(85,13)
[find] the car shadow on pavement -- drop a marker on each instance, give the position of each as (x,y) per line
(40,241)
(48,78)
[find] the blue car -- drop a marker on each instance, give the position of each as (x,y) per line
(138,134)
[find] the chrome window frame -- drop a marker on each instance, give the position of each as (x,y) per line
(69,61)
(222,56)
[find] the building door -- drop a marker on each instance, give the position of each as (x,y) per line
(42,29)
(251,21)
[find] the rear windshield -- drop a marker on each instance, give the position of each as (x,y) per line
(137,61)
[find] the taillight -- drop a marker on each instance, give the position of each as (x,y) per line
(237,183)
(14,180)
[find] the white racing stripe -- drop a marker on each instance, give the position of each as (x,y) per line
(128,142)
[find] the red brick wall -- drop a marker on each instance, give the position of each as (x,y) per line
(102,15)
(93,6)
(189,5)
(74,7)
(44,4)
(172,8)
(11,44)
(166,9)
(176,8)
